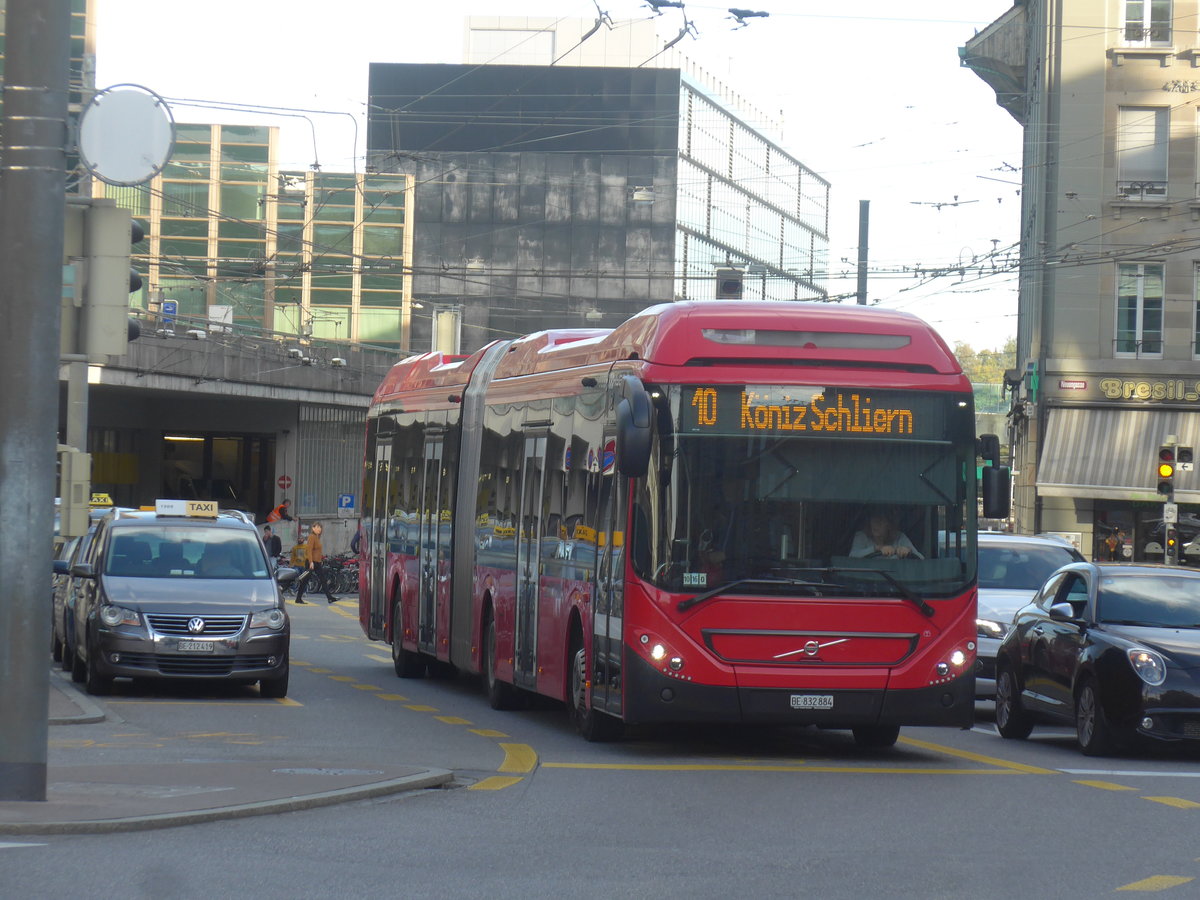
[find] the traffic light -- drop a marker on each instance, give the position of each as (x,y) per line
(1166,471)
(1172,545)
(729,284)
(1183,456)
(99,238)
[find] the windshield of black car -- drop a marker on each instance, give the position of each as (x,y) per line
(1164,600)
(719,508)
(1020,566)
(179,550)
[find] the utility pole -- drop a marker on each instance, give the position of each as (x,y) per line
(32,185)
(864,222)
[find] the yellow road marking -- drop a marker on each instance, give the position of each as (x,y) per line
(1156,883)
(487,732)
(452,720)
(342,678)
(367,687)
(1105,785)
(730,767)
(288,701)
(296,662)
(417,707)
(1177,802)
(339,638)
(391,696)
(320,671)
(382,659)
(495,783)
(518,758)
(978,757)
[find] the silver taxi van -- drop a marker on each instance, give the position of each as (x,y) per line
(183,591)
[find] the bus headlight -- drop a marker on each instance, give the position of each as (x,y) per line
(657,652)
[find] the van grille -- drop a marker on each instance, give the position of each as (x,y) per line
(214,626)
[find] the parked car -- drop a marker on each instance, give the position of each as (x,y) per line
(1113,649)
(1011,569)
(179,592)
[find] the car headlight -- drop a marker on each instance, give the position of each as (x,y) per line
(112,616)
(269,618)
(1150,666)
(990,628)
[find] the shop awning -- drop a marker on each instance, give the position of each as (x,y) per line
(1111,454)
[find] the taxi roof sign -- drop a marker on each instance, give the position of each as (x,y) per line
(203,509)
(99,499)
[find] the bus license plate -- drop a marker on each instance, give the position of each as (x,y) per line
(812,701)
(196,646)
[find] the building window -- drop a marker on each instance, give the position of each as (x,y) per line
(1147,23)
(1139,309)
(1142,135)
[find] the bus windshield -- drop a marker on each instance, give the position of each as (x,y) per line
(838,506)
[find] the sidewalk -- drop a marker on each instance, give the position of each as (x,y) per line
(99,799)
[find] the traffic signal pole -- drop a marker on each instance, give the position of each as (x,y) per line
(32,183)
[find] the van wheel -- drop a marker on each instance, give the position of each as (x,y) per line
(78,668)
(56,648)
(94,682)
(275,688)
(406,663)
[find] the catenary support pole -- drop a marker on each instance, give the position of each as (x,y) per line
(864,227)
(32,180)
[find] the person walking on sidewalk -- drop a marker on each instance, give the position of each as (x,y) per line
(314,560)
(272,542)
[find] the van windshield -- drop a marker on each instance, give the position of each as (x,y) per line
(175,551)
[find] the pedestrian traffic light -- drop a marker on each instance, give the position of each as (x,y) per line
(1166,471)
(729,284)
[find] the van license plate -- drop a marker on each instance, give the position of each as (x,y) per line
(812,701)
(196,646)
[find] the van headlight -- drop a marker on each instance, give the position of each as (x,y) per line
(274,619)
(112,616)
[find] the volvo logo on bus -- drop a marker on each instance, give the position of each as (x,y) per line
(811,648)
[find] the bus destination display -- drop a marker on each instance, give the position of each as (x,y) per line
(816,411)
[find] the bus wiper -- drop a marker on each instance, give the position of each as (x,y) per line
(726,588)
(917,599)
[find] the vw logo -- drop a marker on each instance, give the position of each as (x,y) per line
(196,625)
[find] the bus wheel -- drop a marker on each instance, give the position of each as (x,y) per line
(592,724)
(500,694)
(876,736)
(406,663)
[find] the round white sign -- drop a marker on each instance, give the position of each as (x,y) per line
(126,134)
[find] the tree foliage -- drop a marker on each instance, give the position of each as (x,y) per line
(986,366)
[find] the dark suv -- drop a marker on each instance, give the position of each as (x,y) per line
(180,592)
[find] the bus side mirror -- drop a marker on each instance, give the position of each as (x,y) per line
(634,415)
(997,490)
(988,447)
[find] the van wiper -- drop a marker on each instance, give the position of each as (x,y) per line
(817,586)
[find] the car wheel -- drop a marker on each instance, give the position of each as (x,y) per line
(592,724)
(406,663)
(500,694)
(68,654)
(1012,720)
(876,736)
(1095,734)
(78,668)
(275,688)
(56,648)
(95,682)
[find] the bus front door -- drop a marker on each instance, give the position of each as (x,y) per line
(379,535)
(432,568)
(608,608)
(529,542)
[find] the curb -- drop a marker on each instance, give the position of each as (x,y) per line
(89,713)
(423,780)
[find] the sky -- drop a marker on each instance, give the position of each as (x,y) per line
(870,93)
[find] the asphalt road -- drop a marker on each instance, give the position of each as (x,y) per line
(537,812)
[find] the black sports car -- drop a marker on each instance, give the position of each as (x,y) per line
(1113,649)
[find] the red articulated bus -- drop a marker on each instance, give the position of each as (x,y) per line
(715,512)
